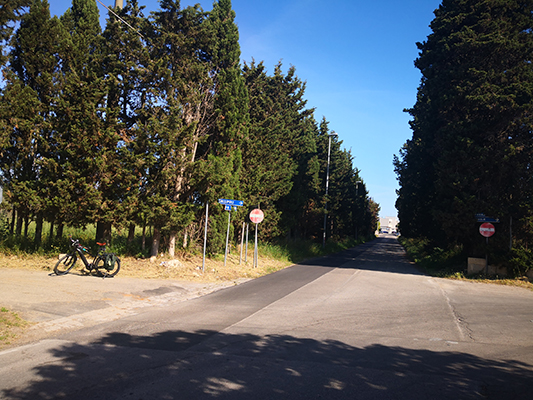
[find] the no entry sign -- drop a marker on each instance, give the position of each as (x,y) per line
(256,216)
(487,229)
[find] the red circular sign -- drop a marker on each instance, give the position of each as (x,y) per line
(256,216)
(487,229)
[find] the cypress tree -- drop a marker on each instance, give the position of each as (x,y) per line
(277,114)
(471,125)
(219,170)
(34,62)
(10,12)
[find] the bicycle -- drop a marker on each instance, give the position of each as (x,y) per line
(106,264)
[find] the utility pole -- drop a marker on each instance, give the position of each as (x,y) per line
(119,4)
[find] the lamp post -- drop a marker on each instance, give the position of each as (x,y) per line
(356,205)
(333,133)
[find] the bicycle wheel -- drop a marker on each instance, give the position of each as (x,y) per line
(104,270)
(65,264)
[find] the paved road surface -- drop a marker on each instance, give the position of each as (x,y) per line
(363,324)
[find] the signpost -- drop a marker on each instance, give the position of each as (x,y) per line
(227,206)
(256,216)
(205,234)
(487,230)
(484,218)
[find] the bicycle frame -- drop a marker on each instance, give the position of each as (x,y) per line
(80,249)
(107,264)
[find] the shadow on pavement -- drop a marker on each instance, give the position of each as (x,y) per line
(382,254)
(210,365)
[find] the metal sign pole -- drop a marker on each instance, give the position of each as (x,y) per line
(246,252)
(205,234)
(255,249)
(487,258)
(227,238)
(242,243)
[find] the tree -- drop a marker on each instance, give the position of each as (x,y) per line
(471,124)
(219,170)
(181,53)
(32,86)
(277,112)
(10,12)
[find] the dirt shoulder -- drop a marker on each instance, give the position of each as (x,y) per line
(36,303)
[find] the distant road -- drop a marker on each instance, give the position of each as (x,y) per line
(362,324)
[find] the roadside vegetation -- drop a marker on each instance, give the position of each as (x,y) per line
(452,264)
(469,159)
(145,127)
(186,265)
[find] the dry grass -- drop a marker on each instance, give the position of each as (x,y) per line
(184,268)
(11,327)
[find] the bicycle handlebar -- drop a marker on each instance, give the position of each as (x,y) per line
(76,243)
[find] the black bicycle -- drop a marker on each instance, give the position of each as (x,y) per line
(106,264)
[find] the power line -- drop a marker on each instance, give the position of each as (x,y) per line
(115,14)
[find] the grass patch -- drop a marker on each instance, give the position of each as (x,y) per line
(11,326)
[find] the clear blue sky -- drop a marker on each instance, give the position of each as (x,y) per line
(357,59)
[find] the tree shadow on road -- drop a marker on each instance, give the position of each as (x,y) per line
(382,254)
(209,365)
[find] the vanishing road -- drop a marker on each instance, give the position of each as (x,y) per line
(362,324)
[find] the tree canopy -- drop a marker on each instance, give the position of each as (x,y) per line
(472,141)
(145,122)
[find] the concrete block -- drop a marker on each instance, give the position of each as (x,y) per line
(477,265)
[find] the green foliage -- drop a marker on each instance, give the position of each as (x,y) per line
(520,261)
(471,146)
(435,260)
(144,124)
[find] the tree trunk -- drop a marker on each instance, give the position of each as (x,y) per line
(143,245)
(59,233)
(38,231)
(172,244)
(156,239)
(13,215)
(103,232)
(186,238)
(18,230)
(131,233)
(51,232)
(26,226)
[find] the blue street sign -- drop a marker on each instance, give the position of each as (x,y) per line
(227,208)
(234,203)
(484,218)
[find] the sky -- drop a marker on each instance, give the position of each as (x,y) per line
(357,59)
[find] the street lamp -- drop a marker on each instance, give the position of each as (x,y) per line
(333,133)
(356,205)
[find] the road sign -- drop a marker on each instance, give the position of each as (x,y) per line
(487,229)
(484,218)
(235,203)
(256,216)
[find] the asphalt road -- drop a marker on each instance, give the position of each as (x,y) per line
(363,324)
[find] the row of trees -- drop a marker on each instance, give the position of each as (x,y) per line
(145,122)
(472,144)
